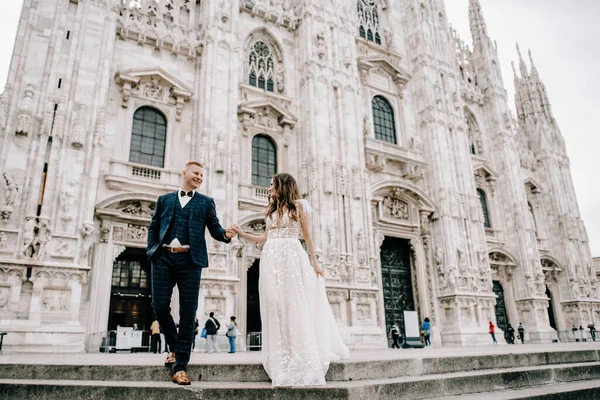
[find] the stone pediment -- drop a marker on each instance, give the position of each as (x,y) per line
(267,113)
(485,172)
(532,185)
(137,207)
(398,74)
(154,84)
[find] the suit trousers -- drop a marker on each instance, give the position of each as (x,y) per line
(168,270)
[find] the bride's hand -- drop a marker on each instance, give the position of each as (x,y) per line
(319,271)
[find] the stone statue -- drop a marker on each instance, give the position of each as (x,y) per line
(43,237)
(86,239)
(439,256)
(12,194)
(67,201)
(28,248)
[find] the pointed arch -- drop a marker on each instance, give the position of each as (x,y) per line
(264,66)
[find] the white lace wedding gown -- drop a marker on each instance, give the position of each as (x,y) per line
(299,332)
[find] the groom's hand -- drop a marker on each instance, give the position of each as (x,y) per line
(230,233)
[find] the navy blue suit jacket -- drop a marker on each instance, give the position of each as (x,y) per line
(203,215)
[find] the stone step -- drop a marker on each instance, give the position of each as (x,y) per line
(151,368)
(406,387)
(584,390)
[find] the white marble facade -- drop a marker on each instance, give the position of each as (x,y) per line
(71,200)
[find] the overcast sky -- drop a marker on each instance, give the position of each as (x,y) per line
(564,38)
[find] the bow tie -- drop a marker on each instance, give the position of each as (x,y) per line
(184,193)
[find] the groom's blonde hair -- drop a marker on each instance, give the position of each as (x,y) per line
(197,163)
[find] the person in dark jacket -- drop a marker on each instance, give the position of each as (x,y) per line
(510,332)
(521,332)
(395,335)
(212,326)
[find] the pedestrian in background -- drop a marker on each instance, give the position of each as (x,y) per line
(426,331)
(155,342)
(511,334)
(493,333)
(395,335)
(521,332)
(212,326)
(592,329)
(231,334)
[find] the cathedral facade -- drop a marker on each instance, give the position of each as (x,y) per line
(429,194)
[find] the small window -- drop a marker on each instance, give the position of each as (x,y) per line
(148,137)
(264,160)
(383,120)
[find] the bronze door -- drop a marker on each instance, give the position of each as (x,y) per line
(500,307)
(396,280)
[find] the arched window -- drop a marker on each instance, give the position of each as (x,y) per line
(368,20)
(264,160)
(148,137)
(261,67)
(383,120)
(484,208)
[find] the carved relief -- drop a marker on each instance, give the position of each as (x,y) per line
(139,208)
(363,312)
(166,25)
(214,304)
(55,300)
(395,206)
(136,233)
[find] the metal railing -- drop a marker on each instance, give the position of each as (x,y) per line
(110,342)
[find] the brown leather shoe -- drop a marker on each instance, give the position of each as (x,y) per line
(170,360)
(181,378)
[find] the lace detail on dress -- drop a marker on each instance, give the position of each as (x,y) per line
(300,336)
(288,228)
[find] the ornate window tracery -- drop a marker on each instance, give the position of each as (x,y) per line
(383,120)
(264,160)
(148,137)
(368,20)
(261,67)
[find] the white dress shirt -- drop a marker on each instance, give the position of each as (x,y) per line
(183,200)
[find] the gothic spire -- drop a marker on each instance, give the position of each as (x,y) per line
(522,65)
(478,27)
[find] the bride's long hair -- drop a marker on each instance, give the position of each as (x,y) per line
(287,192)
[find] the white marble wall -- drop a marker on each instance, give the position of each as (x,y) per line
(190,62)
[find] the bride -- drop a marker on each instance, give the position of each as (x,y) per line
(299,333)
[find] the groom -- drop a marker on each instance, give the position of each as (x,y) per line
(177,251)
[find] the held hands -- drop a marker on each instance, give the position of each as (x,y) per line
(230,232)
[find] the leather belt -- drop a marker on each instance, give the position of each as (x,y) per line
(176,249)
